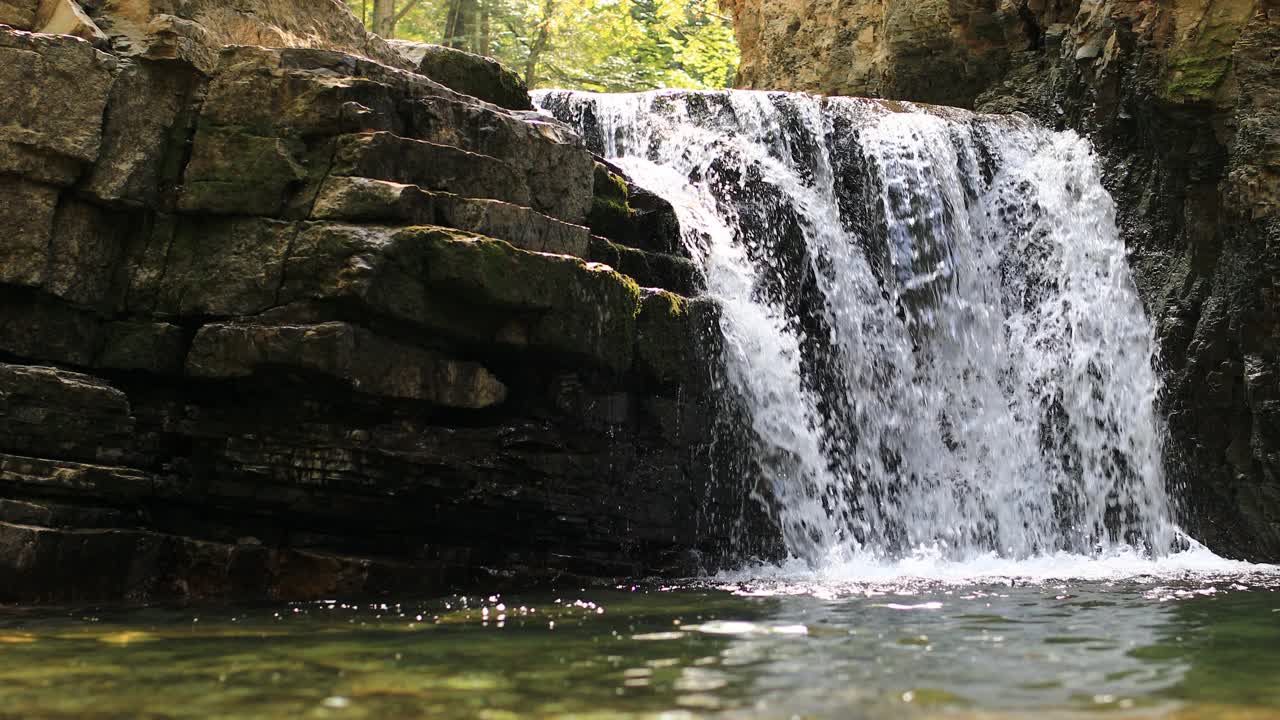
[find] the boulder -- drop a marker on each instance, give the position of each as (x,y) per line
(387,124)
(470,74)
(147,126)
(139,345)
(66,17)
(651,270)
(300,321)
(630,215)
(384,156)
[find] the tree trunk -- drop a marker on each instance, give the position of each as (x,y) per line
(485,45)
(460,27)
(384,18)
(451,23)
(540,43)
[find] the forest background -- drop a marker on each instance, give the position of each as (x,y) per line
(600,45)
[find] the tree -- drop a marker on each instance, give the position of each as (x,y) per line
(386,15)
(603,45)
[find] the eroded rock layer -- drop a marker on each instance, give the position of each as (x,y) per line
(1182,100)
(293,322)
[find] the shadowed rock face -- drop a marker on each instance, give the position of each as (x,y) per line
(1182,100)
(293,322)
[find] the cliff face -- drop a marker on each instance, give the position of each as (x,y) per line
(292,322)
(1182,100)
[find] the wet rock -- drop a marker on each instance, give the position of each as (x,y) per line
(631,215)
(657,270)
(665,341)
(1179,98)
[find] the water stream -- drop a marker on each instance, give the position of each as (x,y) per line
(928,318)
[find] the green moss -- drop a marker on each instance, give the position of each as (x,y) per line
(567,305)
(611,214)
(665,350)
(1193,79)
(1199,64)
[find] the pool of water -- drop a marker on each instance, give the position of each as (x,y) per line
(1190,645)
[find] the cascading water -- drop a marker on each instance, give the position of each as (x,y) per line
(927,315)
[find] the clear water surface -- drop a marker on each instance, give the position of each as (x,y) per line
(1186,643)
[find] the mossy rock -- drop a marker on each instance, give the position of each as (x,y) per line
(655,270)
(471,289)
(1195,79)
(667,345)
(611,214)
(632,216)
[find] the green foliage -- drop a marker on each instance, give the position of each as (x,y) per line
(602,45)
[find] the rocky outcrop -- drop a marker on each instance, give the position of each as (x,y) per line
(291,322)
(468,73)
(1182,100)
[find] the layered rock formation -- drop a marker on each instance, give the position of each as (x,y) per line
(295,322)
(1182,100)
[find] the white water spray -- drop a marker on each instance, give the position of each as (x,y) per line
(928,319)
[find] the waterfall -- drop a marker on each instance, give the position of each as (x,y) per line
(927,316)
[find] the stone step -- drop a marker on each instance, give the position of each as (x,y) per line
(359,199)
(351,354)
(430,166)
(653,270)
